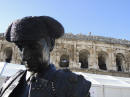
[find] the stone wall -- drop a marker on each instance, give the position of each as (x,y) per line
(94,54)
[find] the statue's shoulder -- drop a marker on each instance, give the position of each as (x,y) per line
(69,75)
(76,85)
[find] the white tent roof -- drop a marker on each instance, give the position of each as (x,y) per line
(97,79)
(9,69)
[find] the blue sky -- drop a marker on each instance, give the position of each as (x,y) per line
(110,18)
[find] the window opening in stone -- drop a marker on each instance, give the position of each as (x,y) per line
(83,58)
(102,61)
(64,61)
(119,62)
(8,54)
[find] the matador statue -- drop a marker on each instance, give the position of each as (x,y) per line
(35,37)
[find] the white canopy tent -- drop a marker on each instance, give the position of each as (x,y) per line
(108,86)
(8,69)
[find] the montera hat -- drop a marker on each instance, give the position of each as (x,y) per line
(34,28)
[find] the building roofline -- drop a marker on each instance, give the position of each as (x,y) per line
(96,38)
(92,38)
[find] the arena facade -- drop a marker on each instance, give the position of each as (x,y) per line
(84,53)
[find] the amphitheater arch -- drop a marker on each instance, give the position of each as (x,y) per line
(102,60)
(84,58)
(8,54)
(119,61)
(64,60)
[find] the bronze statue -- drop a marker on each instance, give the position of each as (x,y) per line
(35,38)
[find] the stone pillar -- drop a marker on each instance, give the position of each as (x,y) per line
(1,52)
(70,52)
(112,62)
(75,61)
(57,59)
(14,58)
(18,57)
(76,54)
(124,66)
(93,58)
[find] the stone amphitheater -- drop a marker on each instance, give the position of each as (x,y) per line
(84,53)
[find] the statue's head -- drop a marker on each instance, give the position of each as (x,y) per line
(35,37)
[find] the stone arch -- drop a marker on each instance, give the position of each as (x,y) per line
(119,61)
(64,60)
(8,54)
(102,60)
(84,58)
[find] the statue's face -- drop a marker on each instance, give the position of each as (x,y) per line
(36,55)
